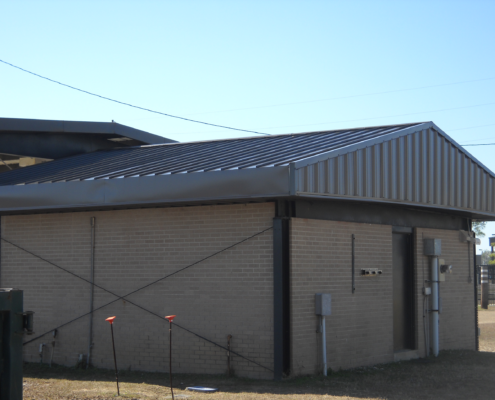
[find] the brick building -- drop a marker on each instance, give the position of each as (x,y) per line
(235,237)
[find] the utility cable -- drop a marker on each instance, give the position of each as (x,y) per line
(131,105)
(346,97)
(384,116)
(147,285)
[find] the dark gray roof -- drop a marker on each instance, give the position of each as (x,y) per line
(110,129)
(34,141)
(413,165)
(179,158)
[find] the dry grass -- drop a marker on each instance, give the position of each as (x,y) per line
(453,375)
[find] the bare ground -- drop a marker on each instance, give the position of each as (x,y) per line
(458,374)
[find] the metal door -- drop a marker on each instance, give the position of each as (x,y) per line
(403,292)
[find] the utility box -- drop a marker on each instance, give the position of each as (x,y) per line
(13,324)
(478,259)
(432,247)
(323,304)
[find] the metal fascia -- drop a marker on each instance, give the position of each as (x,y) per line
(93,127)
(207,186)
(362,145)
(399,202)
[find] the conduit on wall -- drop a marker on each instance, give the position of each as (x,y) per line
(92,289)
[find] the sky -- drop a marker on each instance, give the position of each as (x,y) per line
(266,66)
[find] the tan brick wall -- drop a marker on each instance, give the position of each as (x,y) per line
(359,331)
(231,293)
(456,328)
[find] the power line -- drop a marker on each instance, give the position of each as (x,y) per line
(131,105)
(346,97)
(470,127)
(480,144)
(385,116)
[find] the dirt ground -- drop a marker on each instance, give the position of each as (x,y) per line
(453,375)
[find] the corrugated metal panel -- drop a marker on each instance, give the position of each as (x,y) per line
(191,157)
(423,168)
(414,164)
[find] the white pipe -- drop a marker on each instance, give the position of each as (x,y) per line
(434,304)
(324,344)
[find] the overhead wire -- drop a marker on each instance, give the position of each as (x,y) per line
(385,116)
(282,104)
(131,105)
(346,97)
(124,297)
(479,144)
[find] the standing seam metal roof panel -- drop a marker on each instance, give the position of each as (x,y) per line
(176,158)
(415,164)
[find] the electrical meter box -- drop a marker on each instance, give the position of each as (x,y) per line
(323,304)
(14,323)
(432,247)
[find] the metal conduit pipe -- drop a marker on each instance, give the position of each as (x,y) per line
(433,249)
(434,305)
(92,279)
(324,344)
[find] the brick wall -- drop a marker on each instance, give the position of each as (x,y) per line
(359,331)
(456,328)
(231,293)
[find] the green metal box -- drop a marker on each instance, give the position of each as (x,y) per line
(12,324)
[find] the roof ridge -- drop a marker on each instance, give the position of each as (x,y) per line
(280,135)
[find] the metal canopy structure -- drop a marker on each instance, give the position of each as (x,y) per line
(415,164)
(25,142)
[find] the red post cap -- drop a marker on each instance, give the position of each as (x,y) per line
(110,319)
(170,318)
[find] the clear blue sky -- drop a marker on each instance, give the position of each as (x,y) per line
(270,66)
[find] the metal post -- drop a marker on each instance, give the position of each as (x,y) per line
(324,344)
(434,305)
(485,288)
(170,318)
(170,361)
(229,337)
(353,259)
(110,320)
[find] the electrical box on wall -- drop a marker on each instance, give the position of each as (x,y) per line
(432,247)
(323,304)
(14,323)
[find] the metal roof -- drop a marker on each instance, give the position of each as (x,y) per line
(424,167)
(412,164)
(111,129)
(31,141)
(178,158)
